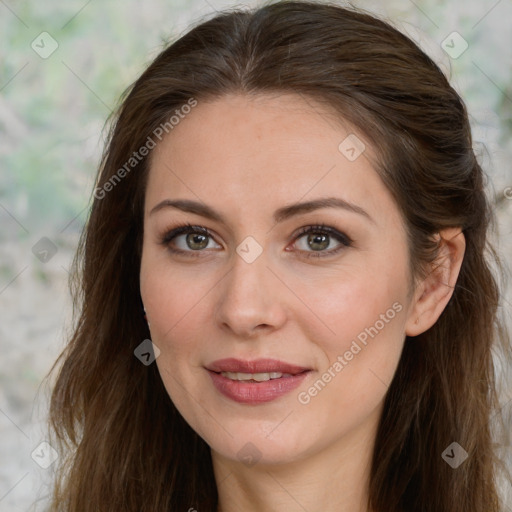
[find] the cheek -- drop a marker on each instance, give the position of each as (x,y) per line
(360,336)
(173,306)
(358,304)
(172,297)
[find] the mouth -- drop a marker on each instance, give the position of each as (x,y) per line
(255,382)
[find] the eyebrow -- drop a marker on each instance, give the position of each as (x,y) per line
(280,215)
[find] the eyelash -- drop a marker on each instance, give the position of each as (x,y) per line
(187,228)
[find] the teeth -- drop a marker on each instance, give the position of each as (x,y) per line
(259,377)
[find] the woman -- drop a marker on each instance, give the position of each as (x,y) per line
(284,300)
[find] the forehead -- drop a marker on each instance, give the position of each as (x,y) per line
(266,150)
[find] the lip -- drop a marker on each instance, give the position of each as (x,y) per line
(254,393)
(232,364)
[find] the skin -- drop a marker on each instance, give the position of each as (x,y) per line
(246,157)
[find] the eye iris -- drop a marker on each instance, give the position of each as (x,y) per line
(197,241)
(318,240)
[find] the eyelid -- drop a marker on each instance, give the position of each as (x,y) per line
(343,239)
(324,228)
(186,228)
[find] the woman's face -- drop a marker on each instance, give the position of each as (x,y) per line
(334,301)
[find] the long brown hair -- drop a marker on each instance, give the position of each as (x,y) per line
(123,444)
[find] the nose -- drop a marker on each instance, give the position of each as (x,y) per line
(250,299)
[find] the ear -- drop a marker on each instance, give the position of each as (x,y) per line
(433,293)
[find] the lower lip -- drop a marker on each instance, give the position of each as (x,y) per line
(246,392)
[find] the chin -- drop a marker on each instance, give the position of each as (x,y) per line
(250,448)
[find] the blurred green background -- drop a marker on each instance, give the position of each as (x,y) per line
(52,109)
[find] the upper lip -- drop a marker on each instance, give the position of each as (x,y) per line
(256,366)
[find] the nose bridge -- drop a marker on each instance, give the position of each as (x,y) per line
(247,297)
(248,277)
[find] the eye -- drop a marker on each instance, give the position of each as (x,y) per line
(195,239)
(318,238)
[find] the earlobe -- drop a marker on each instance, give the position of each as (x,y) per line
(434,292)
